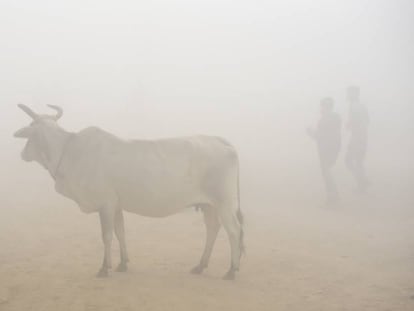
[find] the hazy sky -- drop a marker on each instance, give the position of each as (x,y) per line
(213,49)
(252,71)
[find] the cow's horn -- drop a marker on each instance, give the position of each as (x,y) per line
(59,111)
(29,111)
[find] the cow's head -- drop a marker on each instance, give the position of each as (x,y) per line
(37,133)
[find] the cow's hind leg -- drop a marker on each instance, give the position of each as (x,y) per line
(120,235)
(106,216)
(232,225)
(212,228)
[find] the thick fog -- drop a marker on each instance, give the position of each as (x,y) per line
(252,72)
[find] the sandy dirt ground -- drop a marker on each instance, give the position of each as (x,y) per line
(300,256)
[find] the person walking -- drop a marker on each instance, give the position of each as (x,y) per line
(327,136)
(358,121)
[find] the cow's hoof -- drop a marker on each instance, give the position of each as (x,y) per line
(103,273)
(122,267)
(197,269)
(230,275)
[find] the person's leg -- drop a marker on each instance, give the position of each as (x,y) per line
(360,154)
(350,157)
(330,185)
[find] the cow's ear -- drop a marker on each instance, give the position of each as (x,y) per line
(24,132)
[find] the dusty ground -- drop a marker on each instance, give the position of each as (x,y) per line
(359,256)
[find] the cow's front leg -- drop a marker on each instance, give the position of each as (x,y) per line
(106,215)
(120,234)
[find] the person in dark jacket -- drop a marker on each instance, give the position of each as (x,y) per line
(327,136)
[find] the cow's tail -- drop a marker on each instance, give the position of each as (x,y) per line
(239,214)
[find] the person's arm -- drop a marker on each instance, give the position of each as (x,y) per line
(366,115)
(339,130)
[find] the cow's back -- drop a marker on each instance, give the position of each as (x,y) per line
(148,177)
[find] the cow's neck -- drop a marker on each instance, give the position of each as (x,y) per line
(56,141)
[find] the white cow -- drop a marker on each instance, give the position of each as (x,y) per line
(156,178)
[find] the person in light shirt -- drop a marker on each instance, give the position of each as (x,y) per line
(358,121)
